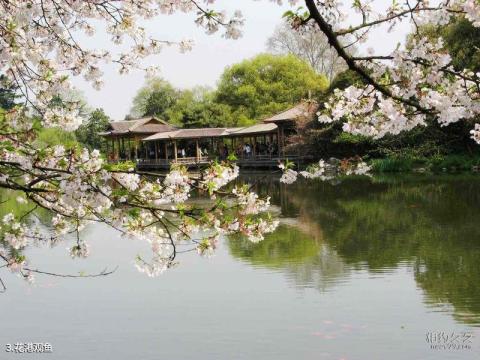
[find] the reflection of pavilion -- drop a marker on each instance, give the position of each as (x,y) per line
(153,143)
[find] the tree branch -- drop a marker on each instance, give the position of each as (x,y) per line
(327,29)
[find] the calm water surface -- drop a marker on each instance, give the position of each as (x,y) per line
(360,269)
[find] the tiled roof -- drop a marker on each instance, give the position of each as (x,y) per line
(304,110)
(254,129)
(147,125)
(189,134)
(212,132)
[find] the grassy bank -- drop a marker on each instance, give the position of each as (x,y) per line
(439,163)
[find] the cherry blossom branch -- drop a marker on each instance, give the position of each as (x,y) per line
(104,272)
(391,17)
(334,42)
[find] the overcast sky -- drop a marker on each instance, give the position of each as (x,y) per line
(210,55)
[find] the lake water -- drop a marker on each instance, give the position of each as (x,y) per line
(382,268)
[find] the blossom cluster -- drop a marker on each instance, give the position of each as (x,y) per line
(41,48)
(40,45)
(411,84)
(15,233)
(217,176)
(324,170)
(80,189)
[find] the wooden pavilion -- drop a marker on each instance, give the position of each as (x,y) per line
(153,143)
(124,138)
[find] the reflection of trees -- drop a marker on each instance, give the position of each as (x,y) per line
(452,275)
(322,271)
(302,257)
(429,223)
(286,246)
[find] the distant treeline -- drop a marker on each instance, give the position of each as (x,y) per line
(246,93)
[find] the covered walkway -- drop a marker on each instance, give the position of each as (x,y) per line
(155,144)
(197,146)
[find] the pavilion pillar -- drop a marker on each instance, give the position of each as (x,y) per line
(175,150)
(136,148)
(271,145)
(242,142)
(254,146)
(165,146)
(197,150)
(278,140)
(156,150)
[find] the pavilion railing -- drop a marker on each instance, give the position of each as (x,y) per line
(180,160)
(271,158)
(268,157)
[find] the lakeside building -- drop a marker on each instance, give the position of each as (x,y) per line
(155,144)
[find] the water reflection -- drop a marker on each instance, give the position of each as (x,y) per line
(307,260)
(371,267)
(425,224)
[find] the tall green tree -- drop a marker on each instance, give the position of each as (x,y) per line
(154,99)
(266,84)
(88,132)
(462,40)
(197,108)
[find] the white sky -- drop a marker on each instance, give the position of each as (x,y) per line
(211,53)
